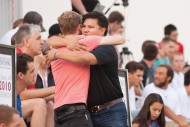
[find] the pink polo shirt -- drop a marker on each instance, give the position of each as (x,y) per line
(71,79)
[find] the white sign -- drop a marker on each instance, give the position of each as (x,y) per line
(123,88)
(123,79)
(6,80)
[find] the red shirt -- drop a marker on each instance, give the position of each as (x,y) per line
(179,47)
(18,50)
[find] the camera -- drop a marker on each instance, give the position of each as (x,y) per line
(126,51)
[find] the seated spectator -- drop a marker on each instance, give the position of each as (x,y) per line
(166,51)
(184,96)
(44,74)
(152,112)
(177,64)
(115,20)
(150,52)
(9,117)
(171,31)
(115,27)
(162,78)
(135,75)
(147,42)
(25,77)
(28,40)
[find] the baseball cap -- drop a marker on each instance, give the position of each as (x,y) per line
(33,17)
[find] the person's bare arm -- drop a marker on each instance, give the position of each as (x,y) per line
(56,42)
(112,40)
(37,93)
(22,123)
(74,44)
(135,125)
(178,119)
(83,57)
(79,57)
(50,98)
(70,43)
(79,6)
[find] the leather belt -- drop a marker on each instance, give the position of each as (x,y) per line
(68,108)
(106,105)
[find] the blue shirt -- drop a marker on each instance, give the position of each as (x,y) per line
(19,109)
(162,61)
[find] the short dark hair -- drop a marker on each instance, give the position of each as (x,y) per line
(170,72)
(102,20)
(187,78)
(169,29)
(115,16)
(147,42)
(22,62)
(33,17)
(167,39)
(150,52)
(6,114)
(133,66)
(54,30)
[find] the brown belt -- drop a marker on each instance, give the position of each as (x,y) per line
(106,105)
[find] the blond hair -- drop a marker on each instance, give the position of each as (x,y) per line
(69,22)
(6,114)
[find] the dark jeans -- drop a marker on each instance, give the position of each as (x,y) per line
(76,118)
(115,116)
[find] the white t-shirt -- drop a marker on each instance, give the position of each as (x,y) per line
(178,81)
(184,102)
(132,98)
(169,96)
(6,39)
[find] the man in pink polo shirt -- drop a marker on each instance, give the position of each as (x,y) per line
(72,80)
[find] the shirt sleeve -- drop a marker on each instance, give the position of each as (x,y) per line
(19,109)
(105,54)
(91,42)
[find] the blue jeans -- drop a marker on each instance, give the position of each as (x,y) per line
(115,116)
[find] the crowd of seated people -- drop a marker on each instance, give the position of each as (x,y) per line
(166,75)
